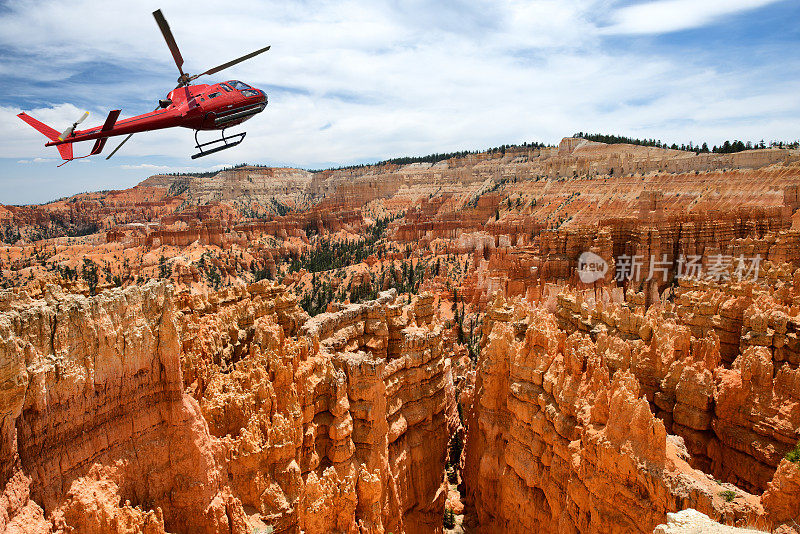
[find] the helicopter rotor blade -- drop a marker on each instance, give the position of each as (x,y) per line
(230,63)
(168,37)
(119,146)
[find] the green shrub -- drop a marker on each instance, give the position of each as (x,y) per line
(794,454)
(728,495)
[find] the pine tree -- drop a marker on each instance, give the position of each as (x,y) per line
(449,519)
(164,269)
(90,275)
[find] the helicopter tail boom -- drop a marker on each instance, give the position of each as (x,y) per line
(65,149)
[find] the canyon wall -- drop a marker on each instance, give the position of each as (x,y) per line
(347,424)
(97,432)
(137,410)
(604,417)
(242,185)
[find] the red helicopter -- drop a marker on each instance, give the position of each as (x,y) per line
(199,107)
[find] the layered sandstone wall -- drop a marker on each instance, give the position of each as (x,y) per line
(362,397)
(241,184)
(601,417)
(518,264)
(97,433)
(137,410)
(734,403)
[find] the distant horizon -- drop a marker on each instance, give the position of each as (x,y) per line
(354,82)
(447,155)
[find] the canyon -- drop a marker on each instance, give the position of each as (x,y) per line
(410,348)
(138,409)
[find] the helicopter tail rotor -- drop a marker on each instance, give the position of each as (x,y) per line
(70,129)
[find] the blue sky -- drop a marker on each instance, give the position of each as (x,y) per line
(359,81)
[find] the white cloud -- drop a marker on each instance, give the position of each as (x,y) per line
(664,16)
(354,80)
(151,168)
(147,167)
(35,160)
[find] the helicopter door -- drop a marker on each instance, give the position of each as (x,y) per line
(228,95)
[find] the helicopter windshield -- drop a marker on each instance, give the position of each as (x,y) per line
(238,85)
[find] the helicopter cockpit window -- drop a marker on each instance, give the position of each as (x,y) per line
(214,95)
(225,87)
(238,85)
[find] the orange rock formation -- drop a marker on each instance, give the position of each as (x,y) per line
(210,401)
(605,417)
(124,414)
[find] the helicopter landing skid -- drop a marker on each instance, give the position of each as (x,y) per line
(227,142)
